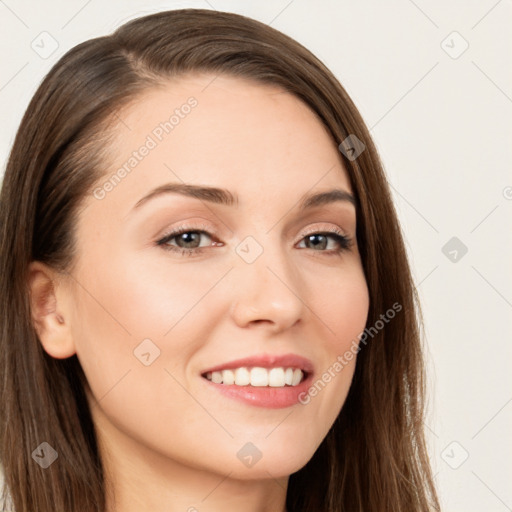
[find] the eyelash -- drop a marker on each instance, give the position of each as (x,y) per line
(344,242)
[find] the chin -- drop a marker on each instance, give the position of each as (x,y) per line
(273,464)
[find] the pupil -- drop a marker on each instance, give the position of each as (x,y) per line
(188,238)
(312,237)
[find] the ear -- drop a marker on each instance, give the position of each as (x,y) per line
(50,316)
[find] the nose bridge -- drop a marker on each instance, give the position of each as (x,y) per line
(267,287)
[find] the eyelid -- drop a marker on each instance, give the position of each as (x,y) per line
(325,226)
(192,226)
(331,229)
(184,227)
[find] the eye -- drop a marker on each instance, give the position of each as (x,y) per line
(187,240)
(319,241)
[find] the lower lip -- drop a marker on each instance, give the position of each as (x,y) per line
(264,396)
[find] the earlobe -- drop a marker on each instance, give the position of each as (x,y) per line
(50,318)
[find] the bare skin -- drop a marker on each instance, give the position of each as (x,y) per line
(168,440)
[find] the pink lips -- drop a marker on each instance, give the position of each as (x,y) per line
(268,397)
(266,361)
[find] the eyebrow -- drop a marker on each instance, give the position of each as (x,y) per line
(225,197)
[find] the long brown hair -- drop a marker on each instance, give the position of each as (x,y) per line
(374,457)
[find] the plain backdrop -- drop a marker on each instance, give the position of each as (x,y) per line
(433,80)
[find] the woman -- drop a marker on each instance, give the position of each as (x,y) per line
(205,294)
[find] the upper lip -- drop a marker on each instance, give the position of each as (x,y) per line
(266,361)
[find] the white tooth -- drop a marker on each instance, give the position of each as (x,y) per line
(259,376)
(228,377)
(242,377)
(276,377)
(297,377)
(217,377)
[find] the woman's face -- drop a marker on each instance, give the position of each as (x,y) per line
(252,276)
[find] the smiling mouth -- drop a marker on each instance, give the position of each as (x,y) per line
(256,376)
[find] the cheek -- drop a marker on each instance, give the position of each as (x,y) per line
(131,308)
(122,317)
(148,297)
(342,307)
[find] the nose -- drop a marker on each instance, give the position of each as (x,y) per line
(267,292)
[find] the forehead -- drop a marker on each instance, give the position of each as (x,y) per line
(255,139)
